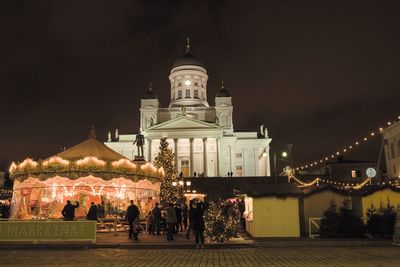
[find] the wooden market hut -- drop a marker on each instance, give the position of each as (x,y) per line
(378,196)
(272,210)
(316,201)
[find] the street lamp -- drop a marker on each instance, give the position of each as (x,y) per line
(285,156)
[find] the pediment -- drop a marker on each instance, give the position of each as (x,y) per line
(184,122)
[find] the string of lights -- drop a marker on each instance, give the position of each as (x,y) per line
(347,148)
(355,186)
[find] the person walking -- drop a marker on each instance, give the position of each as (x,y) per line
(132,214)
(171,221)
(69,211)
(185,213)
(198,224)
(156,213)
(191,213)
(178,212)
(100,211)
(92,213)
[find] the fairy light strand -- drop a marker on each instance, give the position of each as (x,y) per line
(348,148)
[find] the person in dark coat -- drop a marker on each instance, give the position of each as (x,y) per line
(198,224)
(171,221)
(191,213)
(92,213)
(132,214)
(156,213)
(69,211)
(100,211)
(178,211)
(5,210)
(185,213)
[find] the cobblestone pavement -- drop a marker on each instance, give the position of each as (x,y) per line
(327,256)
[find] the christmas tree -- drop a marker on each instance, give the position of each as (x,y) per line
(215,223)
(166,159)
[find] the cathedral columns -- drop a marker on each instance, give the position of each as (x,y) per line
(218,156)
(205,169)
(149,149)
(191,164)
(176,152)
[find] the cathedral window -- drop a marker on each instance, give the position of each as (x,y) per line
(239,170)
(187,93)
(196,94)
(179,94)
(196,83)
(239,155)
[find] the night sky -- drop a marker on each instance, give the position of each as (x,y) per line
(316,74)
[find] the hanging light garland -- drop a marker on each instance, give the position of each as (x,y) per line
(347,148)
(343,185)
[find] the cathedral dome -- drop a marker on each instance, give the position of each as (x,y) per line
(188,59)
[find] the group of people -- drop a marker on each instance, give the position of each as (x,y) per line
(175,217)
(95,211)
(169,219)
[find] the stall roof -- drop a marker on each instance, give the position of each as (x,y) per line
(368,190)
(321,188)
(226,187)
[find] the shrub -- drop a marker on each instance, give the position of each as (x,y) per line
(350,224)
(330,222)
(381,222)
(374,223)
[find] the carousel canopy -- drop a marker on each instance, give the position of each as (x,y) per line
(90,157)
(90,147)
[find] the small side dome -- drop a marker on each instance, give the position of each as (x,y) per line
(223,92)
(149,94)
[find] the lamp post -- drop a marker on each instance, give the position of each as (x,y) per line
(181,187)
(283,156)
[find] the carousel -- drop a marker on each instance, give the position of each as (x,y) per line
(88,172)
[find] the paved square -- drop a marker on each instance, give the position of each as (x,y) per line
(304,256)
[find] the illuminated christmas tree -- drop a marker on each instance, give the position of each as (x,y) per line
(166,159)
(215,223)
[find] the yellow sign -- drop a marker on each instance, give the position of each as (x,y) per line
(48,231)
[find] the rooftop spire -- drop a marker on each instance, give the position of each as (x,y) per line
(222,84)
(187,45)
(92,134)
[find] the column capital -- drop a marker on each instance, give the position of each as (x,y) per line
(191,139)
(204,139)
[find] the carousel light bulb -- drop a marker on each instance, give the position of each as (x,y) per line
(181,183)
(188,183)
(174,183)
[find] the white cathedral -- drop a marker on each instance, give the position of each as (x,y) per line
(201,136)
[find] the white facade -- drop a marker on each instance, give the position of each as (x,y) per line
(202,137)
(391,139)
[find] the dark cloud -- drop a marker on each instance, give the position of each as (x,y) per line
(317,74)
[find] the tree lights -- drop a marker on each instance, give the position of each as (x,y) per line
(166,160)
